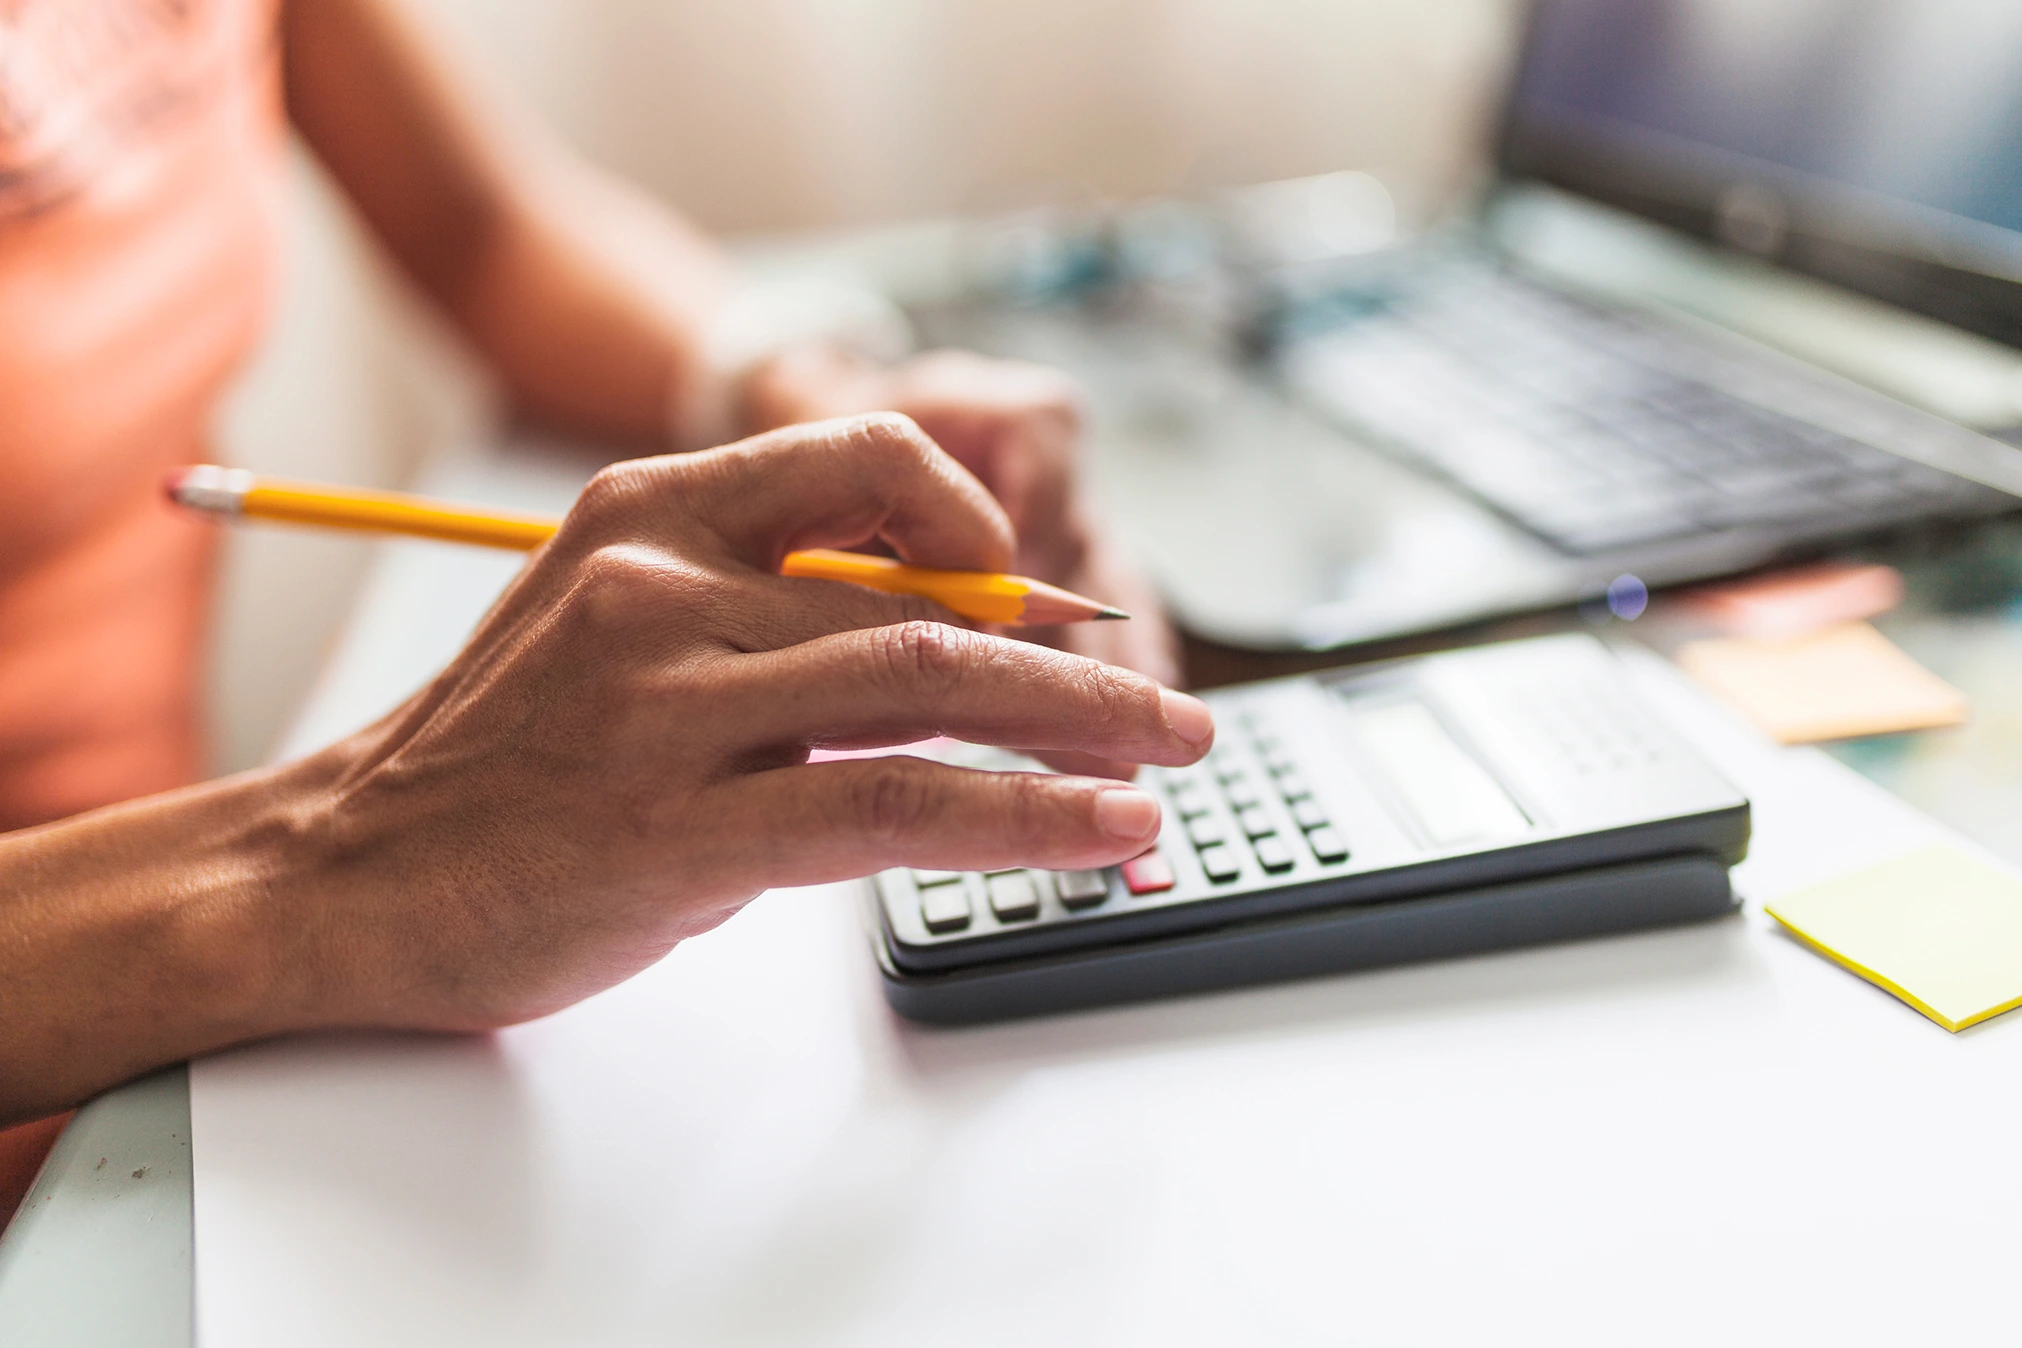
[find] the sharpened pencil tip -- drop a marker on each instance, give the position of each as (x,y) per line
(1110,613)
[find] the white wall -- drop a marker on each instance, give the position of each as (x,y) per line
(769,114)
(765,115)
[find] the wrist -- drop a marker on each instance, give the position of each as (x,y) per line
(773,325)
(810,382)
(152,931)
(250,930)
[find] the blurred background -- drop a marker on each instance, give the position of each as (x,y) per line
(772,118)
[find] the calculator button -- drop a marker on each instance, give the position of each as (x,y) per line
(1328,844)
(1013,897)
(925,878)
(1205,831)
(1277,762)
(1190,798)
(1221,864)
(1148,874)
(1081,889)
(944,908)
(1274,852)
(1242,792)
(1292,785)
(1308,814)
(1256,823)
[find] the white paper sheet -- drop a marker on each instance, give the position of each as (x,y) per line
(1705,1135)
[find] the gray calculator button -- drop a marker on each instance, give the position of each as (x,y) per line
(1205,830)
(1328,844)
(1081,889)
(1277,762)
(944,907)
(1255,822)
(1013,896)
(1275,853)
(1308,814)
(926,878)
(1221,864)
(1292,785)
(1242,792)
(1191,798)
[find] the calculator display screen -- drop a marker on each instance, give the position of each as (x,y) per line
(1451,797)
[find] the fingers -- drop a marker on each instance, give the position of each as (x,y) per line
(837,484)
(897,685)
(1085,765)
(833,821)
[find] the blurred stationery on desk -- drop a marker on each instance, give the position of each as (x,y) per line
(1938,928)
(1790,603)
(1838,683)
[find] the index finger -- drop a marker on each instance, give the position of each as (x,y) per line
(843,483)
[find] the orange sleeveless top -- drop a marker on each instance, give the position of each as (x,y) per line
(140,163)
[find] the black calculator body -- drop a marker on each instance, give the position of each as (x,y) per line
(1418,808)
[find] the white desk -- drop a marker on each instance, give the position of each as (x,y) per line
(1690,1136)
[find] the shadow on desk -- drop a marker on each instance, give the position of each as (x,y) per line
(1598,971)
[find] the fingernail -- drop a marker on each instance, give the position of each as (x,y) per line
(1127,814)
(1188,717)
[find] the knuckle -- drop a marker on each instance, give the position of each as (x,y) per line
(927,659)
(1124,699)
(888,439)
(614,492)
(894,801)
(616,583)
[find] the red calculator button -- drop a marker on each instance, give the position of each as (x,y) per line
(1148,874)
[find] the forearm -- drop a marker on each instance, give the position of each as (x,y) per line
(147,932)
(588,299)
(593,307)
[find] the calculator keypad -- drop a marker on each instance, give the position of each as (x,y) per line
(1311,801)
(944,907)
(1233,812)
(1081,889)
(1148,874)
(1247,810)
(1014,896)
(1219,864)
(1327,843)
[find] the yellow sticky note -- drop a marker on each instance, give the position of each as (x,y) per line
(1833,684)
(1939,929)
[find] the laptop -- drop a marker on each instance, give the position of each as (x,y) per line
(1322,453)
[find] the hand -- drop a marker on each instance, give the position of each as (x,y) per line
(1017,428)
(619,759)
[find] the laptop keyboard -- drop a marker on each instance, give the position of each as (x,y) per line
(1571,420)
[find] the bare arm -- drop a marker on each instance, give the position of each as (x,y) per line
(587,297)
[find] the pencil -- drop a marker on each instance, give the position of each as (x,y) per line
(985,596)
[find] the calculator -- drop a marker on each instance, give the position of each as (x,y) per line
(1408,810)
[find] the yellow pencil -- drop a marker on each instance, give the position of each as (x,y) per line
(985,596)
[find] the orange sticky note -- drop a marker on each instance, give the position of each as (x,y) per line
(1838,683)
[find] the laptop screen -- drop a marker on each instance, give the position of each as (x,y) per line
(1874,142)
